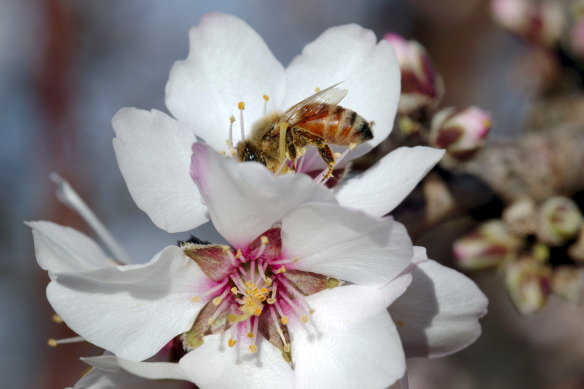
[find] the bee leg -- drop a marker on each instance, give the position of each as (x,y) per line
(327,155)
(292,153)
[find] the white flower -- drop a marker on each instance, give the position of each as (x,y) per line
(290,240)
(229,63)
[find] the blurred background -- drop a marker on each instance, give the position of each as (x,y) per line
(66,67)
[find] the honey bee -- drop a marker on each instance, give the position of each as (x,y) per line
(317,120)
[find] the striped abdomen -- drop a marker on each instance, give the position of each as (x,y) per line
(338,125)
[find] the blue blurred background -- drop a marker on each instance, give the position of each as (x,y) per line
(66,66)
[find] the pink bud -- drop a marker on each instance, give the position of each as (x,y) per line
(421,86)
(461,131)
(487,246)
(528,284)
(540,22)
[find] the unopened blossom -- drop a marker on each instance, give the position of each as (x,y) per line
(559,219)
(461,131)
(229,64)
(421,86)
(566,283)
(528,282)
(273,297)
(538,21)
(489,245)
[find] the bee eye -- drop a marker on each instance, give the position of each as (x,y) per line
(249,156)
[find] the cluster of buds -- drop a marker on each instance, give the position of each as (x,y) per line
(461,131)
(540,249)
(540,22)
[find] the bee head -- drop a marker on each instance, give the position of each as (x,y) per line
(246,152)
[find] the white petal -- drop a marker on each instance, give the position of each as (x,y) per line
(246,199)
(383,186)
(111,372)
(133,310)
(346,244)
(439,313)
(63,249)
(349,343)
(369,70)
(228,62)
(396,287)
(154,154)
(214,365)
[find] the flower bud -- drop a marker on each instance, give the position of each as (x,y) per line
(540,21)
(421,86)
(566,283)
(461,131)
(559,220)
(528,284)
(520,217)
(576,250)
(487,246)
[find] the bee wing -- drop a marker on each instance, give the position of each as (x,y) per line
(313,106)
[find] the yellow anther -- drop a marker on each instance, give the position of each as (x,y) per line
(249,335)
(271,300)
(57,319)
(258,311)
(241,105)
(268,281)
(231,118)
(266,98)
(231,342)
(253,348)
(264,239)
(317,89)
(196,299)
(52,342)
(352,146)
(304,319)
(217,300)
(234,290)
(337,155)
(239,254)
(282,269)
(232,318)
(284,320)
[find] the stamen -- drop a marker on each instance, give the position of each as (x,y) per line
(282,141)
(239,255)
(317,90)
(217,300)
(279,330)
(253,348)
(281,167)
(299,310)
(231,342)
(299,164)
(283,318)
(262,272)
(224,305)
(57,319)
(230,139)
(266,99)
(282,261)
(214,289)
(55,342)
(241,107)
(281,269)
(67,195)
(264,240)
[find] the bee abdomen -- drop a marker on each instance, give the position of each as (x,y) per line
(352,129)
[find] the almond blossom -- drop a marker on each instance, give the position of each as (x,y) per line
(269,305)
(230,74)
